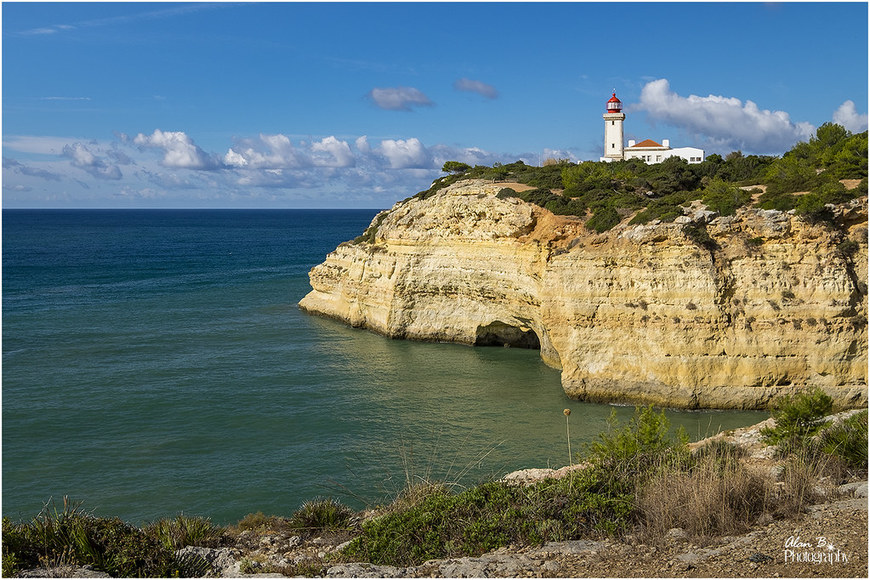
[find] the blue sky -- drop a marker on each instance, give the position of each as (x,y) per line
(284,105)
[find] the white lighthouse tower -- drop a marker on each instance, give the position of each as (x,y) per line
(613,137)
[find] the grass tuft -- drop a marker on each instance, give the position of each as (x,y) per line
(183,531)
(322,515)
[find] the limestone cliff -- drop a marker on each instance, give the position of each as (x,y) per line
(708,311)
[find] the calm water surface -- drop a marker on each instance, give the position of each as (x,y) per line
(156,362)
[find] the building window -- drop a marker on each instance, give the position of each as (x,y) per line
(613,145)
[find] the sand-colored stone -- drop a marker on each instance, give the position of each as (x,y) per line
(639,314)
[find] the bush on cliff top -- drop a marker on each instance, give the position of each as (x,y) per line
(801,429)
(489,516)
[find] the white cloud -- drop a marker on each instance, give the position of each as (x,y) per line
(406,154)
(65,98)
(478,87)
(847,116)
(263,169)
(85,159)
(265,152)
(470,155)
(179,150)
(362,145)
(79,154)
(725,121)
(399,98)
(331,152)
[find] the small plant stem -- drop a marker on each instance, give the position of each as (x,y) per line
(568,432)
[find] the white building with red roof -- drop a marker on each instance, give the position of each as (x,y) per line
(647,150)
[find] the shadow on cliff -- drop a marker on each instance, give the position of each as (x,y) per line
(501,334)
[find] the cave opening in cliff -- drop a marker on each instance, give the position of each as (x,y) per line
(501,334)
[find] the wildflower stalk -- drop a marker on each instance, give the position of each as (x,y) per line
(567,412)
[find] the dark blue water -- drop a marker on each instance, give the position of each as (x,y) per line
(156,362)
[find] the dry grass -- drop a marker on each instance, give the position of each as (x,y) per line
(806,479)
(709,500)
(722,495)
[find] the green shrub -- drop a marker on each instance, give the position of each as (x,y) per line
(665,209)
(255,521)
(798,417)
(587,175)
(320,515)
(790,174)
(455,167)
(778,201)
(19,551)
(603,219)
(71,536)
(599,500)
(575,207)
(813,208)
(492,515)
(368,236)
(539,196)
(847,440)
(407,536)
(724,197)
(719,453)
(182,531)
(644,444)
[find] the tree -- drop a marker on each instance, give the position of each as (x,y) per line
(828,136)
(790,174)
(455,167)
(586,176)
(850,162)
(738,167)
(724,197)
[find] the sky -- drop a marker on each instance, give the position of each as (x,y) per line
(358,105)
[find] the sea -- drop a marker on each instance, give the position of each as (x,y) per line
(155,362)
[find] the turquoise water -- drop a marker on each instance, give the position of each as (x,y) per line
(156,362)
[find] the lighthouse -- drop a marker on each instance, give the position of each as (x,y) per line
(613,118)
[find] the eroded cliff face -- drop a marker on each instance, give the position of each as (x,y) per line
(723,312)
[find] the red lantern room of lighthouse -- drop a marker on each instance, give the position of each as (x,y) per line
(614,105)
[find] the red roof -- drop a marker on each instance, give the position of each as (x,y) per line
(646,143)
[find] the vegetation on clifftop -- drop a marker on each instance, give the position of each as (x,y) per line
(805,179)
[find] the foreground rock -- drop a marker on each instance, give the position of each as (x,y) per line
(723,312)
